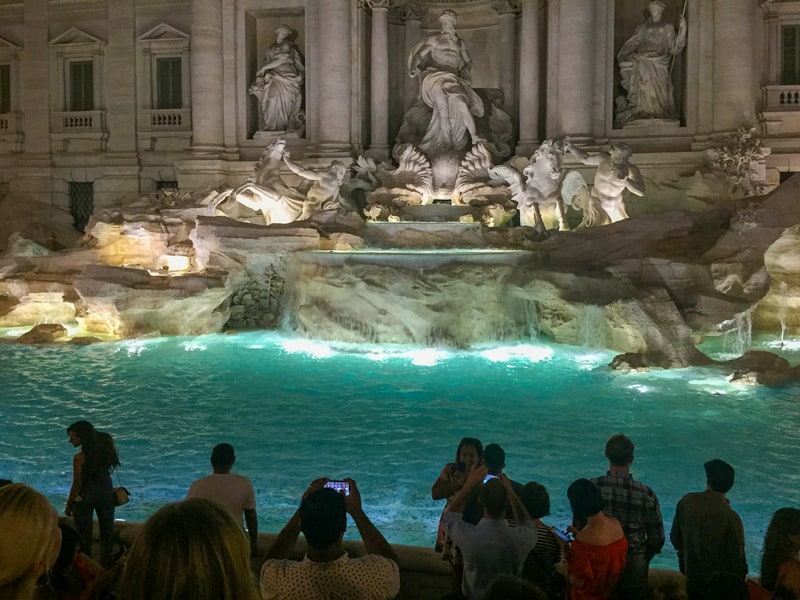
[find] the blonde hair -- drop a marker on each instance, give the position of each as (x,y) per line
(29,542)
(190,549)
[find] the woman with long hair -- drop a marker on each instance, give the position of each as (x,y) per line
(92,489)
(469,456)
(29,540)
(598,553)
(191,549)
(780,565)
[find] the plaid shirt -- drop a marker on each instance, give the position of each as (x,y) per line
(636,507)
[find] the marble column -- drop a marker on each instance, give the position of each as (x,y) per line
(34,166)
(121,83)
(411,14)
(529,73)
(207,77)
(570,105)
(507,55)
(379,80)
(334,85)
(734,88)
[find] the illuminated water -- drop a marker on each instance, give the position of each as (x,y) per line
(295,411)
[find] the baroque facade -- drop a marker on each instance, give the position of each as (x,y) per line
(103,99)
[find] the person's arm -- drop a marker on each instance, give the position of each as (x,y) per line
(287,538)
(517,507)
(448,482)
(654,528)
(374,542)
(676,537)
(474,478)
(418,54)
(74,491)
(251,520)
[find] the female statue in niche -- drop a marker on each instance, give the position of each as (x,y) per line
(279,85)
(645,67)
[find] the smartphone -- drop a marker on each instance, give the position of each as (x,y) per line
(490,476)
(461,467)
(561,534)
(339,486)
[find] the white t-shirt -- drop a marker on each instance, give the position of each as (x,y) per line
(369,577)
(232,491)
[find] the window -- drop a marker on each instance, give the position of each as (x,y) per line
(5,89)
(81,85)
(81,203)
(169,77)
(790,73)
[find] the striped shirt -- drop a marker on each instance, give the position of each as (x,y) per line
(636,507)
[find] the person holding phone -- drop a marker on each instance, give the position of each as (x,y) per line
(326,570)
(492,547)
(551,544)
(469,456)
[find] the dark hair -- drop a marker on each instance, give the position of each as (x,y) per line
(222,456)
(619,450)
(60,577)
(494,498)
(719,475)
(536,500)
(778,548)
(99,449)
(495,458)
(468,441)
(323,517)
(5,482)
(585,499)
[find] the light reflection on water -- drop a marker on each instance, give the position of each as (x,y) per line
(390,418)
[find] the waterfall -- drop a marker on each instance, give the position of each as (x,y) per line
(592,327)
(531,318)
(783,305)
(737,333)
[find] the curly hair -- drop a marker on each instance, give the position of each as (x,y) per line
(778,547)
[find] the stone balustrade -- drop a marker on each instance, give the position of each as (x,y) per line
(172,119)
(423,574)
(781,97)
(88,121)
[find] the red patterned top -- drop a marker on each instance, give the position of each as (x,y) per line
(599,567)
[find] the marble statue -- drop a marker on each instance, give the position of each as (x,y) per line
(266,191)
(279,85)
(443,118)
(326,183)
(645,68)
(614,175)
(535,186)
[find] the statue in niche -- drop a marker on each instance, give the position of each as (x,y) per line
(614,175)
(645,68)
(443,118)
(279,86)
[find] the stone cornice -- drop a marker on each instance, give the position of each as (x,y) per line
(505,7)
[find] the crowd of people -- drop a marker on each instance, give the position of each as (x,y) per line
(491,531)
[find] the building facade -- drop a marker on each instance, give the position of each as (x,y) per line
(108,99)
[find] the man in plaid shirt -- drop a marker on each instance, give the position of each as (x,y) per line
(636,507)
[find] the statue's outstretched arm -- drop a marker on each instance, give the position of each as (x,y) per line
(583,156)
(634,181)
(298,170)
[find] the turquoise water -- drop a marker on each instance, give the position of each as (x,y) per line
(389,418)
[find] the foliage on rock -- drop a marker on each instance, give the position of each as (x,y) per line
(738,161)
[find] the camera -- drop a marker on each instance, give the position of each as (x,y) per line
(339,485)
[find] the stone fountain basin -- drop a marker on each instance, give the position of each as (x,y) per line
(406,258)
